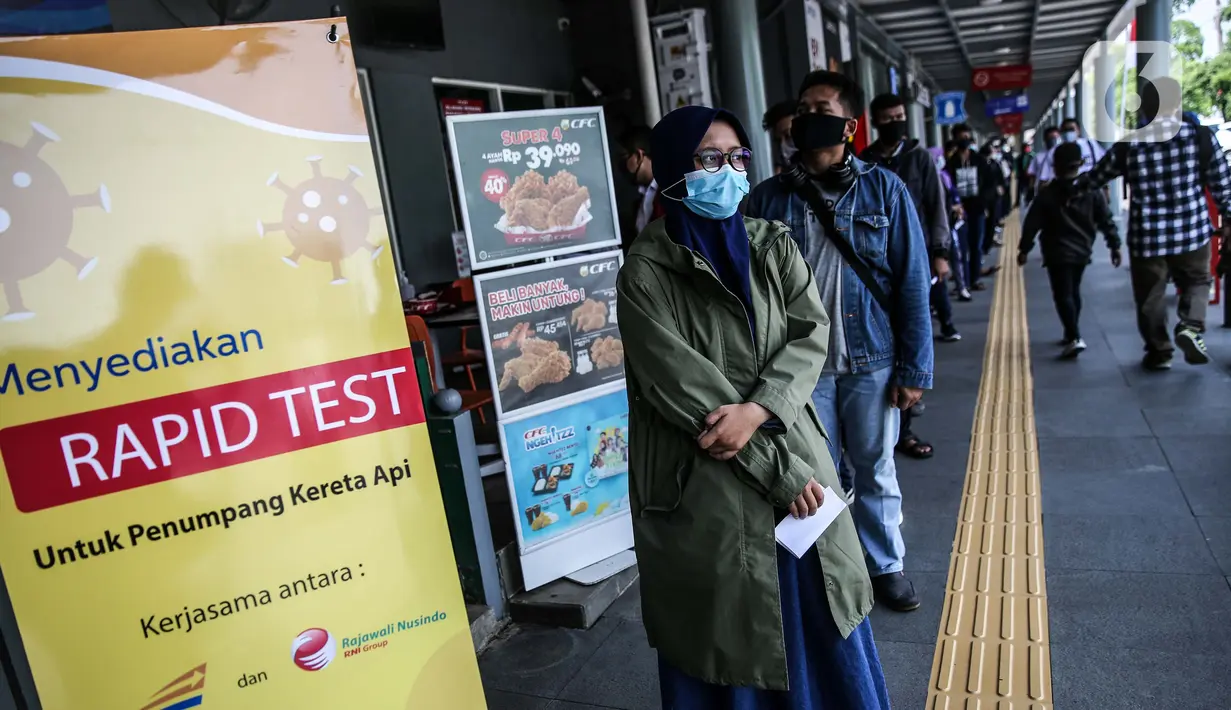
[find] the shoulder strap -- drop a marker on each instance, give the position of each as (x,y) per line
(811,194)
(1205,146)
(1205,150)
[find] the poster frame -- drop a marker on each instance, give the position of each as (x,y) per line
(552,559)
(494,377)
(475,264)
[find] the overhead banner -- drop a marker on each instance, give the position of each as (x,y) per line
(1009,123)
(568,480)
(533,184)
(950,108)
(1001,78)
(551,331)
(1002,105)
(216,485)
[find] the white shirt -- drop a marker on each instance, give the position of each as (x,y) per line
(1091,153)
(648,193)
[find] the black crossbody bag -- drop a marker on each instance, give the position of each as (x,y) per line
(811,194)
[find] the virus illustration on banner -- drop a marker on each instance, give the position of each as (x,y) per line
(36,218)
(325,219)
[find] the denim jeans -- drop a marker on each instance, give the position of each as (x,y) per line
(855,411)
(959,261)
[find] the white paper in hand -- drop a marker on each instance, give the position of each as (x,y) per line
(799,535)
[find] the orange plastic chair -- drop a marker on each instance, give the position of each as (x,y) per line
(472,399)
(467,358)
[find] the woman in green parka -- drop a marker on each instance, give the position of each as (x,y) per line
(724,338)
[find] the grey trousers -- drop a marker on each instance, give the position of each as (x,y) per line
(1191,272)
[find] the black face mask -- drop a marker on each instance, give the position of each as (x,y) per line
(814,131)
(964,144)
(892,132)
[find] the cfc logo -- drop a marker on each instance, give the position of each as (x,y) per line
(599,268)
(314,649)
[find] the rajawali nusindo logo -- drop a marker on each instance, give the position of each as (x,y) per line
(1144,110)
(314,649)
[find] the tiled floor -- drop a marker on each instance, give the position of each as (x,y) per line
(1136,471)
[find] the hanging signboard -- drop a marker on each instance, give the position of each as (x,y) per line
(950,108)
(550,330)
(814,26)
(533,184)
(1001,78)
(567,470)
(1009,123)
(1001,105)
(214,455)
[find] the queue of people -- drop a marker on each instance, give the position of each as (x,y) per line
(777,338)
(782,333)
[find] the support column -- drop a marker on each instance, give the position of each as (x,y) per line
(742,76)
(915,120)
(1106,119)
(1154,25)
(645,63)
(1079,100)
(937,134)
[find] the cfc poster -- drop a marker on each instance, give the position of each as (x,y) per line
(568,467)
(533,184)
(567,471)
(217,488)
(551,330)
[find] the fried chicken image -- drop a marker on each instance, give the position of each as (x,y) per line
(535,204)
(561,185)
(515,337)
(528,186)
(589,316)
(541,362)
(534,213)
(607,352)
(565,211)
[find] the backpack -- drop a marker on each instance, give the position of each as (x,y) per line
(1205,145)
(1205,150)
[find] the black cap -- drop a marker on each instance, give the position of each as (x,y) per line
(1067,156)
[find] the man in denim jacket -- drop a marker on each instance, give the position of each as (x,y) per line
(878,360)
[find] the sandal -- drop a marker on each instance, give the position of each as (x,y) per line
(913,447)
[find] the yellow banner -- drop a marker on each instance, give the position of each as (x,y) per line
(217,488)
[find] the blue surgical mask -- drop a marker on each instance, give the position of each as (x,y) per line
(1070,136)
(715,195)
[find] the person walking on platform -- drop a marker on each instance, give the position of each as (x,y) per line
(1066,225)
(1071,134)
(977,183)
(914,165)
(724,335)
(1041,162)
(959,231)
(1168,168)
(858,230)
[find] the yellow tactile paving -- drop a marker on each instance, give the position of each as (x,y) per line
(992,649)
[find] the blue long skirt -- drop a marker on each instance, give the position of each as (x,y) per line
(825,671)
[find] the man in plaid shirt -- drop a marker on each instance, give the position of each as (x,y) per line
(1169,226)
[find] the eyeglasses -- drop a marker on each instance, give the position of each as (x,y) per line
(712,159)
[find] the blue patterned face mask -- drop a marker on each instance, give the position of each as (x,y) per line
(715,195)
